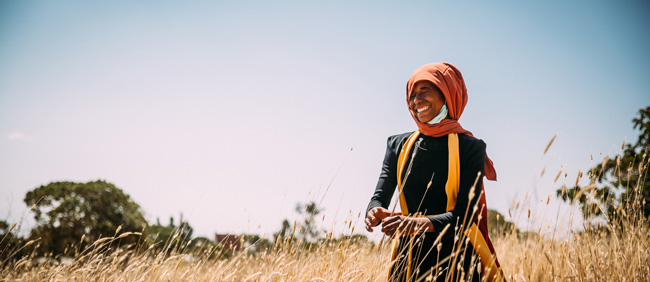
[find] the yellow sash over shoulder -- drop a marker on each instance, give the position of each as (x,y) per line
(476,237)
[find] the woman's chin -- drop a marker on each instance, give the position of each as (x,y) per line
(425,119)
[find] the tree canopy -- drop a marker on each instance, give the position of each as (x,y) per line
(618,183)
(303,231)
(171,236)
(67,211)
(309,211)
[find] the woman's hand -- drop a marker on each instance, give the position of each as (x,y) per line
(375,215)
(406,225)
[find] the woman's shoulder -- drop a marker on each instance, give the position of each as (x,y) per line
(468,144)
(395,142)
(400,137)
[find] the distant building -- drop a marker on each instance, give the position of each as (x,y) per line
(233,243)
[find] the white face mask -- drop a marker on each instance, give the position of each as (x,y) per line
(442,114)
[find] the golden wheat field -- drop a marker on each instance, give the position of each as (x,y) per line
(613,249)
(618,253)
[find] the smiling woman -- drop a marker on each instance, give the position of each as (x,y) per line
(440,233)
(426,101)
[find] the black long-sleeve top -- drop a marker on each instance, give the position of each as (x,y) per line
(431,164)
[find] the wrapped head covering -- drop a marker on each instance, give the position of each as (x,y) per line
(448,79)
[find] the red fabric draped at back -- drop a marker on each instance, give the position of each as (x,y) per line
(450,82)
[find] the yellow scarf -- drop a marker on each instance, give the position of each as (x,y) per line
(488,259)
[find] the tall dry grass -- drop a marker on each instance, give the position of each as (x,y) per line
(618,251)
(622,254)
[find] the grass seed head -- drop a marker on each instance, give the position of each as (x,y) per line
(557,176)
(549,144)
(102,240)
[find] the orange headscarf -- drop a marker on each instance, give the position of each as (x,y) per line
(450,82)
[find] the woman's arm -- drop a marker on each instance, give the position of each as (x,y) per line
(386,184)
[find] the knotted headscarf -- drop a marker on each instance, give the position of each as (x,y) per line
(448,79)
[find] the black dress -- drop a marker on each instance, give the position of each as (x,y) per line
(430,164)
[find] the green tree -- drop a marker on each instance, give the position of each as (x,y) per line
(171,236)
(8,242)
(308,227)
(620,183)
(498,225)
(66,211)
(4,227)
(283,233)
(11,244)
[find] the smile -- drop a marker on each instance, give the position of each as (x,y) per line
(421,109)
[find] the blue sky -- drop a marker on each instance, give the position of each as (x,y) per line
(231,112)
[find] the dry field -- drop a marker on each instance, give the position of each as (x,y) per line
(620,253)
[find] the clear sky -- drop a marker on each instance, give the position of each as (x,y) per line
(231,112)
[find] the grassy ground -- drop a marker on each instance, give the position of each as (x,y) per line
(621,253)
(618,251)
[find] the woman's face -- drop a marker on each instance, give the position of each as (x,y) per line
(425,101)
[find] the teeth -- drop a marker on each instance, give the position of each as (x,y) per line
(419,110)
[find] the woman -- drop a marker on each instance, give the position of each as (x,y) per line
(438,170)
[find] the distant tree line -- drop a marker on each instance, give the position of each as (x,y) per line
(71,217)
